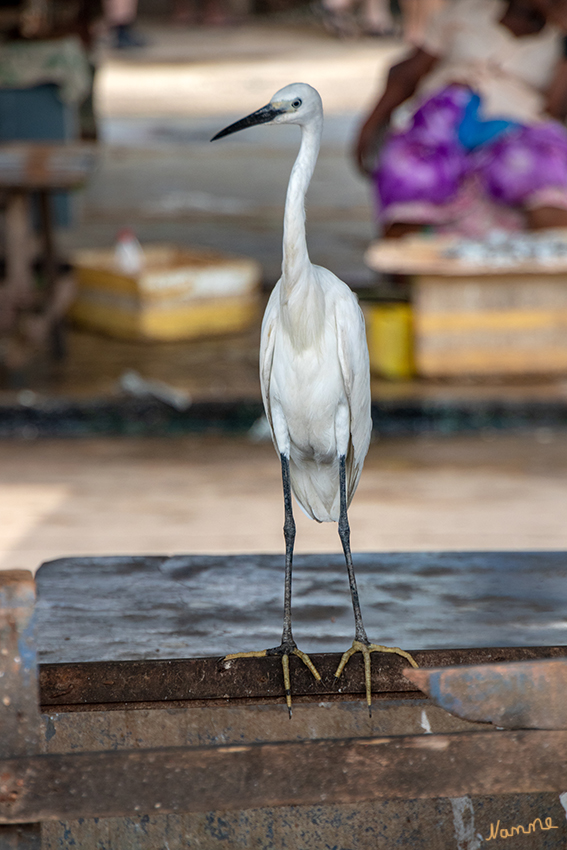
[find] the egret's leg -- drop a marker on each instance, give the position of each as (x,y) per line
(289,536)
(288,646)
(360,642)
(344,534)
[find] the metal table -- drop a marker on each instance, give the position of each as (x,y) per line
(150,752)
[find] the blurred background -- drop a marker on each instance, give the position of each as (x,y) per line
(136,261)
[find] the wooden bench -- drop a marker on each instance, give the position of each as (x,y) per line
(30,316)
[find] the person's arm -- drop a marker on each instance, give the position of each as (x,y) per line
(403,79)
(556,97)
(555,12)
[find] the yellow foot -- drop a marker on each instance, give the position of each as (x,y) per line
(284,651)
(366,649)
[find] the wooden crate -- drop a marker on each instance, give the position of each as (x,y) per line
(179,294)
(480,320)
(490,324)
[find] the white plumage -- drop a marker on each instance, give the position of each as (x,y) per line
(313,354)
(315,386)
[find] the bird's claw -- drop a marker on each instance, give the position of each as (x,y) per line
(284,651)
(367,649)
(308,663)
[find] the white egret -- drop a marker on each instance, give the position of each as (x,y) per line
(315,377)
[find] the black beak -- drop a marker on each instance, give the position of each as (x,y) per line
(261,116)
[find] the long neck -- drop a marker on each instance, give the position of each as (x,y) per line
(295,254)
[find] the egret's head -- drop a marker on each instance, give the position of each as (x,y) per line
(297,103)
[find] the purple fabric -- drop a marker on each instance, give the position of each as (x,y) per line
(437,118)
(523,162)
(428,163)
(413,171)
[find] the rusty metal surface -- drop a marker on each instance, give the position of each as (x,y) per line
(189,606)
(425,824)
(193,779)
(460,823)
(344,826)
(123,729)
(19,704)
(201,679)
(520,695)
(19,707)
(25,836)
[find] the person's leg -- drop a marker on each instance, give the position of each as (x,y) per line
(118,12)
(415,16)
(526,168)
(376,17)
(543,217)
(397,229)
(338,17)
(120,16)
(184,12)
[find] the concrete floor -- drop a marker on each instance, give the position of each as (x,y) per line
(220,495)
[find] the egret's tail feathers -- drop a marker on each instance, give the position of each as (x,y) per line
(316,486)
(316,489)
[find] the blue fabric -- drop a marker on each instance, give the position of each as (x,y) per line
(473,131)
(34,113)
(38,114)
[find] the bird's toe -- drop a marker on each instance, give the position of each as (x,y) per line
(366,649)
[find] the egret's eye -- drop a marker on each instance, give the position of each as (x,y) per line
(296,103)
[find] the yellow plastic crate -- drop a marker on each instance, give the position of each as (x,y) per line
(179,294)
(390,340)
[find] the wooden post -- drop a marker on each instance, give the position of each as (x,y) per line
(19,695)
(18,247)
(49,257)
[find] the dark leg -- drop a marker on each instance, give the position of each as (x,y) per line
(49,258)
(360,642)
(543,217)
(401,228)
(289,536)
(288,646)
(344,534)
